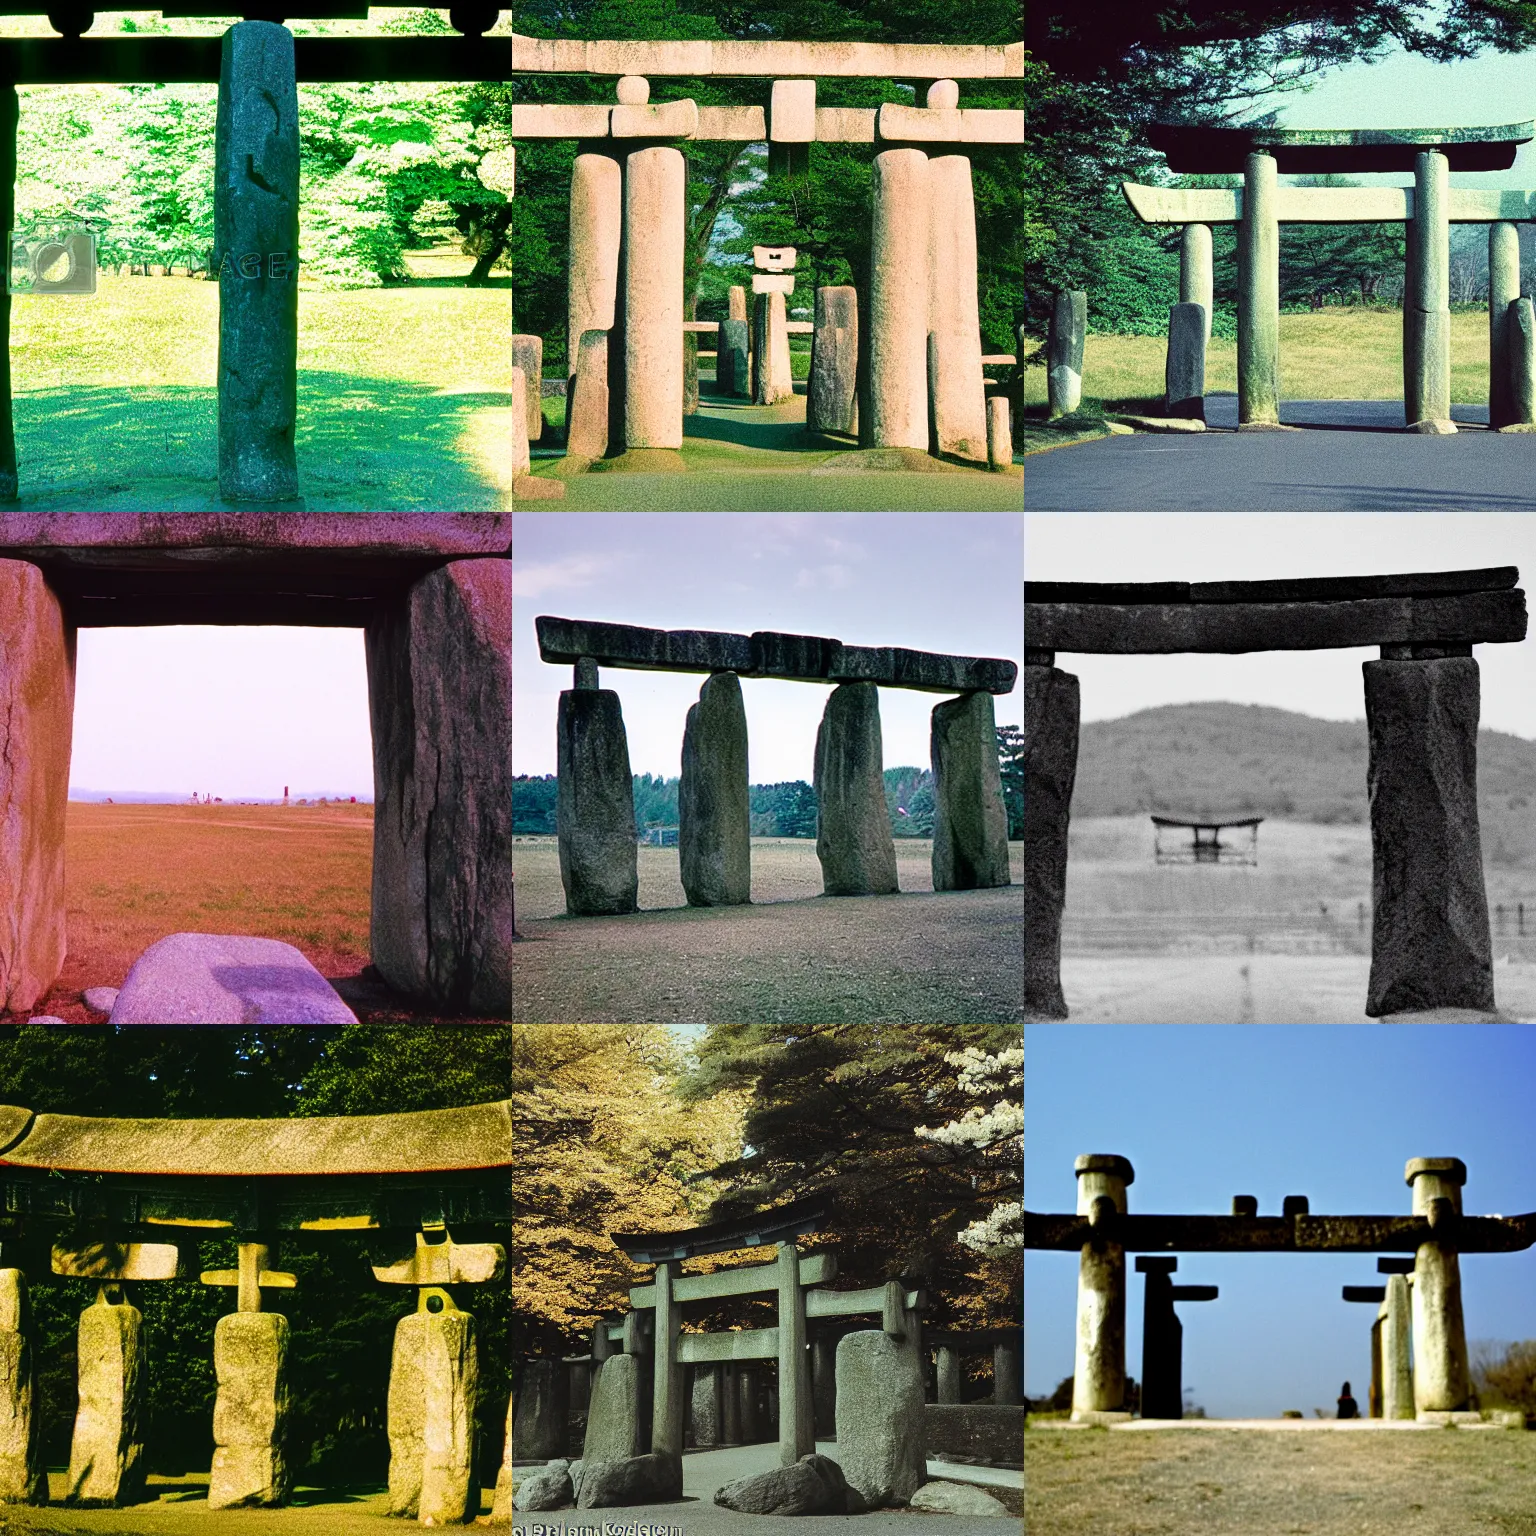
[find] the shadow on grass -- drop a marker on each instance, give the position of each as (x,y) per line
(781,436)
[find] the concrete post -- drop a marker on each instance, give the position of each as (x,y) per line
(597,217)
(898,301)
(797,1425)
(1427,300)
(1396,1331)
(106,1456)
(596,814)
(1503,290)
(1184,368)
(824,1382)
(832,400)
(853,828)
(1430,943)
(713,811)
(1007,1380)
(1051,712)
(23,1473)
(958,405)
(946,1370)
(1098,1380)
(970,824)
(667,1380)
(1258,297)
(655,180)
(1197,282)
(1065,339)
(1522,363)
(1442,1383)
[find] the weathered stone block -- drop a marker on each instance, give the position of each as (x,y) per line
(1064,352)
(106,1457)
(528,354)
(450,1493)
(23,1475)
(596,222)
(1503,290)
(614,1422)
(772,380)
(880,1416)
(999,434)
(792,112)
(1184,370)
(704,1406)
(737,300)
(250,1359)
(546,1488)
(655,1478)
(586,422)
(1427,369)
(440,699)
(539,1427)
(970,824)
(1430,945)
(522,462)
(853,828)
(37,704)
(501,1505)
(406,1415)
(956,1499)
(1521,324)
(256,246)
(714,816)
(595,816)
(731,355)
(832,402)
(814,1485)
(1051,712)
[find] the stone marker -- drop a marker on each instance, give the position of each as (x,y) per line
(23,1475)
(732,375)
(596,811)
(1184,370)
(713,815)
(654,220)
(898,301)
(704,1406)
(1396,1333)
(1098,1381)
(814,1485)
(853,828)
(737,299)
(772,378)
(543,1488)
(970,824)
(256,248)
(216,978)
(1427,299)
(613,1416)
(880,1438)
(432,1413)
(832,401)
(440,701)
(250,1359)
(37,703)
(539,1429)
(1050,768)
(655,1478)
(522,460)
(1441,1380)
(1522,362)
(1197,283)
(528,354)
(501,1505)
(1064,352)
(106,1456)
(597,218)
(956,1499)
(999,435)
(1503,290)
(587,414)
(957,389)
(1430,944)
(1258,296)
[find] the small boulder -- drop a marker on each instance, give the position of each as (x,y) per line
(813,1486)
(656,1478)
(954,1499)
(547,1488)
(100,998)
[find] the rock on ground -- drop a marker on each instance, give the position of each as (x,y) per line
(880,1437)
(216,978)
(100,998)
(656,1478)
(547,1488)
(813,1486)
(955,1499)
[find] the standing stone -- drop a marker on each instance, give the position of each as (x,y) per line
(898,301)
(1441,1380)
(543,1406)
(433,1380)
(1430,944)
(1051,712)
(1197,280)
(690,372)
(1427,299)
(1396,1333)
(704,1407)
(713,812)
(853,828)
(1184,372)
(737,299)
(106,1456)
(1064,353)
(614,1417)
(440,700)
(1098,1379)
(1258,296)
(1007,1379)
(748,1414)
(732,376)
(654,216)
(958,389)
(528,354)
(522,460)
(597,218)
(730,1404)
(501,1505)
(1503,290)
(970,825)
(999,435)
(256,251)
(946,1374)
(37,704)
(595,815)
(772,379)
(1522,362)
(23,1475)
(880,1434)
(250,1359)
(824,1384)
(406,1412)
(588,407)
(832,398)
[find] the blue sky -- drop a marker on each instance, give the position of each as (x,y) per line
(1206,1112)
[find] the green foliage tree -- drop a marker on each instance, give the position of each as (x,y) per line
(909,801)
(783,810)
(533,804)
(1010,763)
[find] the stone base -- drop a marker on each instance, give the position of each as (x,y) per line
(1265,426)
(250,1359)
(1102,1416)
(1165,423)
(1435,428)
(1448,1416)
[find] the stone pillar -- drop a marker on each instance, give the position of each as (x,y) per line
(713,814)
(1258,297)
(1430,944)
(9,117)
(772,378)
(433,1382)
(824,1383)
(1427,300)
(616,1413)
(853,828)
(522,460)
(797,1423)
(730,1404)
(947,1374)
(654,214)
(880,1411)
(746,1393)
(704,1406)
(1007,1383)
(106,1456)
(1064,352)
(1503,290)
(440,700)
(1197,283)
(832,399)
(667,1381)
(587,399)
(1051,712)
(256,252)
(1396,1331)
(737,301)
(898,301)
(999,434)
(250,1359)
(597,217)
(1184,370)
(958,406)
(1522,363)
(1098,1382)
(501,1506)
(23,1475)
(596,812)
(1374,1410)
(1441,1381)
(528,354)
(541,1427)
(970,826)
(732,350)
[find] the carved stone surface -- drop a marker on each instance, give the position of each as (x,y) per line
(1051,712)
(714,816)
(23,1474)
(250,1359)
(970,824)
(106,1457)
(433,1381)
(832,402)
(587,420)
(853,828)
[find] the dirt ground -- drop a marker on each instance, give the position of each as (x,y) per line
(1091,1482)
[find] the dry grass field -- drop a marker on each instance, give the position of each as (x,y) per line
(1091,1482)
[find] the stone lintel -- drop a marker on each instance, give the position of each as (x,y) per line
(899,124)
(1214,151)
(1375,1294)
(1326,205)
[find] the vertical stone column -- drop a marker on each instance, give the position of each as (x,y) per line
(541,1427)
(23,1475)
(1522,365)
(749,1417)
(501,1506)
(970,825)
(1503,290)
(1396,1332)
(106,1456)
(730,1404)
(713,812)
(1098,1382)
(1430,944)
(1064,342)
(528,354)
(522,460)
(704,1406)
(654,214)
(853,828)
(832,399)
(1162,1340)
(947,1376)
(37,705)
(999,434)
(824,1382)
(797,1425)
(250,1359)
(597,217)
(1051,710)
(898,301)
(1441,1381)
(958,405)
(667,1381)
(588,407)
(596,811)
(1184,368)
(772,377)
(732,351)
(1258,297)
(1197,282)
(256,249)
(1427,300)
(1374,1410)
(10,114)
(1007,1381)
(440,701)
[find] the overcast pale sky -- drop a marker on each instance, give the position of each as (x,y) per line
(936,581)
(1221,546)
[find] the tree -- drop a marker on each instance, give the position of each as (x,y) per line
(1010,763)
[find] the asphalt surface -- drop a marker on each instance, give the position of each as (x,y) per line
(1351,456)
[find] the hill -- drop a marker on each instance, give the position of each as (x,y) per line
(1223,760)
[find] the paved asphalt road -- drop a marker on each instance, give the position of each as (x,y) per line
(1355,458)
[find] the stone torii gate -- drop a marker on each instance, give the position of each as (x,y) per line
(596,820)
(1103,1232)
(1428,208)
(1430,943)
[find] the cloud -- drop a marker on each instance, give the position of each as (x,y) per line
(565,575)
(833,577)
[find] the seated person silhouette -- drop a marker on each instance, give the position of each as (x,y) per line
(1348,1407)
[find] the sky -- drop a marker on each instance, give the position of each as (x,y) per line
(937,581)
(1215,546)
(225,710)
(1333,1113)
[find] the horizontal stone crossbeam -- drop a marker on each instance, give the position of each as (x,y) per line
(1214,150)
(799,658)
(815,1269)
(1326,205)
(742,1344)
